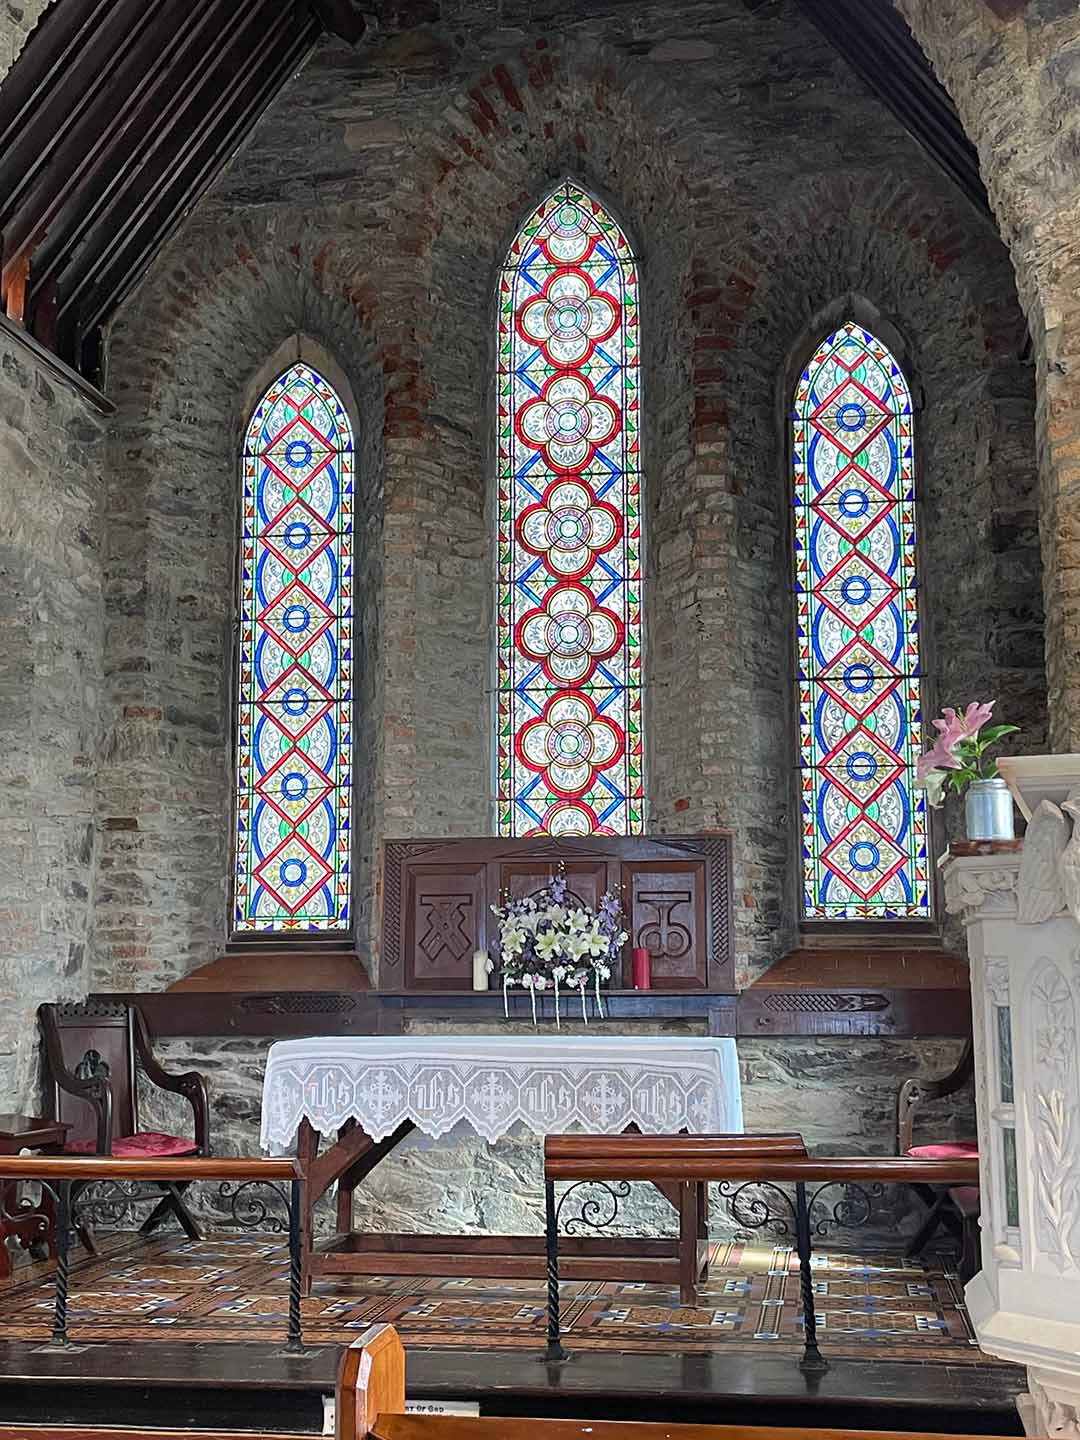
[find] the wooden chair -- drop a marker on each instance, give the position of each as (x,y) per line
(92,1054)
(953,1208)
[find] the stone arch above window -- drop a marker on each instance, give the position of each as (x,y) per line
(294,723)
(569,743)
(865,849)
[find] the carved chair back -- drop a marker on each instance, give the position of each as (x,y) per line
(92,1040)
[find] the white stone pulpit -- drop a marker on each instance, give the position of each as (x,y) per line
(1025,985)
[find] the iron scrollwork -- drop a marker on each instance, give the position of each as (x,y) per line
(109,1201)
(853,1209)
(252,1211)
(754,1210)
(596,1213)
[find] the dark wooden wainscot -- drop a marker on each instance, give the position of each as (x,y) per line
(676,892)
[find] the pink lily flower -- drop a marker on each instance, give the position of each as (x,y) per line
(951,728)
(975,717)
(941,757)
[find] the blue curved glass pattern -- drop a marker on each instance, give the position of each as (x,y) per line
(864,838)
(294,661)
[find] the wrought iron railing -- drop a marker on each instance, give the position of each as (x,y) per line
(801,1197)
(100,1187)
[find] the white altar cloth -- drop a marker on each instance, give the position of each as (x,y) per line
(550,1084)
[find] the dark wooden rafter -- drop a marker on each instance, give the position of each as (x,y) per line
(875,41)
(119,114)
(116,117)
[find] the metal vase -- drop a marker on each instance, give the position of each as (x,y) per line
(988,810)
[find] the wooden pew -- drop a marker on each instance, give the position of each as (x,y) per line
(371,1406)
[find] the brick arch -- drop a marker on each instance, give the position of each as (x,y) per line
(183,354)
(538,115)
(542,113)
(877,249)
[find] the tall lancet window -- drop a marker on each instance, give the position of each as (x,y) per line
(864,836)
(569,734)
(294,668)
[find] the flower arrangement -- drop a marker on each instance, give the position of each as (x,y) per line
(546,942)
(956,757)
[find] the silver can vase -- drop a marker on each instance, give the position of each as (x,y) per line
(988,810)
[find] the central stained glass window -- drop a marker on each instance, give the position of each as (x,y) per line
(864,836)
(294,690)
(569,734)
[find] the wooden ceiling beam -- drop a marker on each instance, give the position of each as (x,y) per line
(164,107)
(112,287)
(142,81)
(184,157)
(59,39)
(64,110)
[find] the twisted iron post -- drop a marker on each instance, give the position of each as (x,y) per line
(63,1242)
(555,1350)
(812,1362)
(295,1344)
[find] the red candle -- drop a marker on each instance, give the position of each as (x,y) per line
(642,969)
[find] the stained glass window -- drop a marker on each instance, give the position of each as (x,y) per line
(864,841)
(569,734)
(294,690)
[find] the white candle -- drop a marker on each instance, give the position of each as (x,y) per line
(481,969)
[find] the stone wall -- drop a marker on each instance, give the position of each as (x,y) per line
(421,153)
(17,19)
(50,690)
(769,197)
(211,321)
(1015,86)
(461,1183)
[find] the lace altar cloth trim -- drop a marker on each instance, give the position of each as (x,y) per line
(549,1084)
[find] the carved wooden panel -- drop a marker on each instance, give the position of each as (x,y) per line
(437,898)
(444,924)
(666,904)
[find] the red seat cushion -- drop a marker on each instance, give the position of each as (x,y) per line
(152,1143)
(950,1150)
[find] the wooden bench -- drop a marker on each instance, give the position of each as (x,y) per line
(691,1161)
(370,1405)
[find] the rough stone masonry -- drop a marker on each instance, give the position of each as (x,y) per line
(770,196)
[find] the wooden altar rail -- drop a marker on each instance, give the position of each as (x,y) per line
(690,1162)
(67,1180)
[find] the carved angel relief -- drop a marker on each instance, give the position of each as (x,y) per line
(1040,891)
(1049,879)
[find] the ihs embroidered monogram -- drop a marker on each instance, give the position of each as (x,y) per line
(569,741)
(294,722)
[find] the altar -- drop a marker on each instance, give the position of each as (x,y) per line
(366,1094)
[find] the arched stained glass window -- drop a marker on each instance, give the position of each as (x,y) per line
(569,734)
(294,673)
(864,841)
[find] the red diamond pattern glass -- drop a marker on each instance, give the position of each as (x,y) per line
(294,717)
(569,734)
(865,852)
